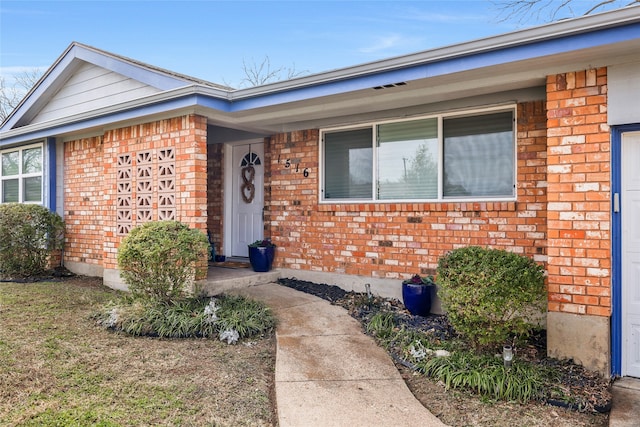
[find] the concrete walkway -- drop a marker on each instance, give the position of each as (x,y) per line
(328,372)
(625,409)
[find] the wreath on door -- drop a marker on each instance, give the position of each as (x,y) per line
(248,189)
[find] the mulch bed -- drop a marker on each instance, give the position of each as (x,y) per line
(588,390)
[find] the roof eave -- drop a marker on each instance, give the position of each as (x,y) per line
(549,31)
(191,96)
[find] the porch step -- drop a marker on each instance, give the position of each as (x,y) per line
(625,408)
(221,280)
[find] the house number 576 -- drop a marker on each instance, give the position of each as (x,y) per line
(288,163)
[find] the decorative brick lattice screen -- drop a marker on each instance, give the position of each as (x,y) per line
(148,177)
(124,212)
(167,184)
(144,187)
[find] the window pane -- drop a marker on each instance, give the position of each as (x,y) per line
(10,191)
(32,160)
(32,188)
(348,164)
(10,163)
(408,160)
(479,156)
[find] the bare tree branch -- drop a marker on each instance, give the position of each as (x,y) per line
(605,2)
(523,11)
(11,96)
(260,73)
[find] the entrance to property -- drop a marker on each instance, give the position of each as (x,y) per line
(630,253)
(247,196)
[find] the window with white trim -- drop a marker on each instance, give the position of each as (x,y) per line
(21,176)
(461,157)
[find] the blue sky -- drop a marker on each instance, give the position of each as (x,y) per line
(211,39)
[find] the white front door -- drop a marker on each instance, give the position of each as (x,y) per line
(630,240)
(247,197)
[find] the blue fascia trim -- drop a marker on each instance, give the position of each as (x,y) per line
(498,56)
(616,247)
(51,151)
(160,107)
(211,102)
(616,274)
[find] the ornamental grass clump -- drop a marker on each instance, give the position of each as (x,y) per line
(29,236)
(226,317)
(487,376)
(491,296)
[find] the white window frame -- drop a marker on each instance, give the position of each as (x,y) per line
(21,176)
(440,198)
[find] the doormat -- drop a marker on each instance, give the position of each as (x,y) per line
(230,264)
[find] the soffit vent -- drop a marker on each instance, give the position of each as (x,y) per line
(389,86)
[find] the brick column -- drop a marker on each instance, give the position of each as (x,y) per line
(579,255)
(215,190)
(84,208)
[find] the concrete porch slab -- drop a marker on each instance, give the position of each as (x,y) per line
(220,280)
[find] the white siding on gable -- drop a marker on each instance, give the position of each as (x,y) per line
(623,84)
(89,88)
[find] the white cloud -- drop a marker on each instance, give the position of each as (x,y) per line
(21,69)
(441,18)
(386,43)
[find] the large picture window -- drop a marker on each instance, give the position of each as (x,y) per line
(21,175)
(436,158)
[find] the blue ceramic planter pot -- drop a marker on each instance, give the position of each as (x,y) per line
(417,298)
(261,258)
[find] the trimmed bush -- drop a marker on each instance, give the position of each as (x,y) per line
(491,296)
(158,260)
(29,235)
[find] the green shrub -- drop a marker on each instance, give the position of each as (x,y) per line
(29,235)
(158,260)
(491,295)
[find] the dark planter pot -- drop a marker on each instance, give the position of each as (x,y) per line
(261,258)
(417,298)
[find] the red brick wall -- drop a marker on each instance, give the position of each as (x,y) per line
(395,240)
(215,194)
(84,207)
(91,184)
(579,193)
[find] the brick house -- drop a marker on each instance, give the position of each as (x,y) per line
(528,141)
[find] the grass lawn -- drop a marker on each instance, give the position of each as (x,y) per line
(58,368)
